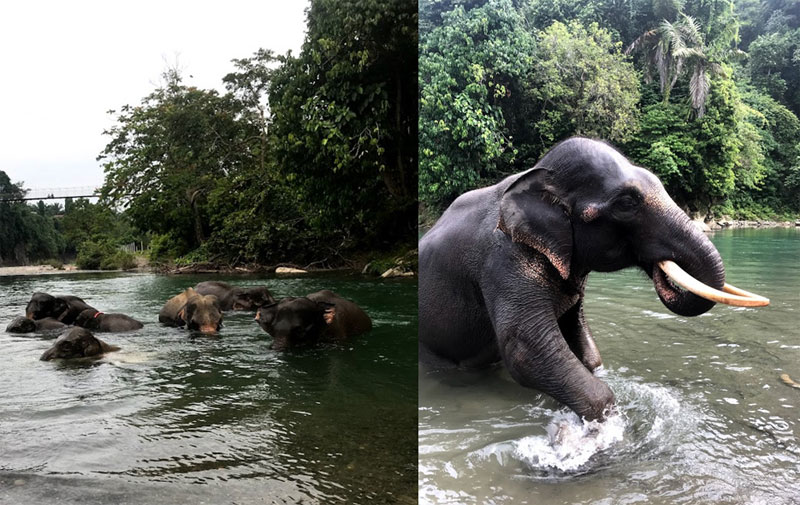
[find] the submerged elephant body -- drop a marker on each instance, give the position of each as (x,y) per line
(192,310)
(320,316)
(95,320)
(62,308)
(503,271)
(77,343)
(23,324)
(234,297)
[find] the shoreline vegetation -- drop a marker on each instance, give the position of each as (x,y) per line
(385,266)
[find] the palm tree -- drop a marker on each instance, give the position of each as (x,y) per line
(672,49)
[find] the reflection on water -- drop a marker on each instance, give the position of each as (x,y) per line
(189,417)
(703,415)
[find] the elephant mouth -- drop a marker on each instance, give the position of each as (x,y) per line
(669,280)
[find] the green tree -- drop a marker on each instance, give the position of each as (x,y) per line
(581,84)
(344,121)
(471,69)
(25,234)
(166,155)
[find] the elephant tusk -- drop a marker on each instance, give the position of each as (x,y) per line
(730,295)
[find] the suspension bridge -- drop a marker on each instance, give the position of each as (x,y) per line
(35,194)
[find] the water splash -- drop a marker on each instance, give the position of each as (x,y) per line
(570,442)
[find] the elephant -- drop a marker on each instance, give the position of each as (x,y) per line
(320,316)
(503,270)
(95,320)
(236,298)
(23,324)
(77,343)
(63,308)
(192,310)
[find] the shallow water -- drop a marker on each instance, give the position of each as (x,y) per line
(179,418)
(703,415)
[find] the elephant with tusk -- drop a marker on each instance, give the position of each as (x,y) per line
(503,270)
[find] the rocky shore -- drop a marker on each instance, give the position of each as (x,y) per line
(723,224)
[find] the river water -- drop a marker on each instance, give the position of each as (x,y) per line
(704,417)
(179,418)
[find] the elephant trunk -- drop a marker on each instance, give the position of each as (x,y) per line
(695,254)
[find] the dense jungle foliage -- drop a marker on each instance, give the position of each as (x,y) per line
(304,159)
(705,93)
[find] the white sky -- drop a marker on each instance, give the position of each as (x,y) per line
(64,64)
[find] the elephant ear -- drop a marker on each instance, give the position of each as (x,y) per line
(328,311)
(266,314)
(533,213)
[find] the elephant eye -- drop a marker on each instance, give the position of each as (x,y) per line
(626,203)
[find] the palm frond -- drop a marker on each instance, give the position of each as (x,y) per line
(641,42)
(698,89)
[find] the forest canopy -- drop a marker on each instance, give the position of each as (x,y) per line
(702,92)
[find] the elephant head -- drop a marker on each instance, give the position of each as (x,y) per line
(251,298)
(43,305)
(587,208)
(21,325)
(77,343)
(295,321)
(202,313)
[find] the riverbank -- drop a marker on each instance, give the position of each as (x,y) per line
(38,270)
(403,264)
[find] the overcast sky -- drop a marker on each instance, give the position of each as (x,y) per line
(65,64)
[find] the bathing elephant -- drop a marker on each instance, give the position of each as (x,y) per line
(320,316)
(192,310)
(77,343)
(234,297)
(503,270)
(23,324)
(95,320)
(63,308)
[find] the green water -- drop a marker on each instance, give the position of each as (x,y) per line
(175,418)
(705,418)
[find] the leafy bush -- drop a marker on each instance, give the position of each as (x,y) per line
(120,260)
(164,248)
(103,255)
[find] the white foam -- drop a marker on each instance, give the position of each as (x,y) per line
(569,443)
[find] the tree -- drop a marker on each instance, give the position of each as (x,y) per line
(166,155)
(25,234)
(471,70)
(581,84)
(344,121)
(674,49)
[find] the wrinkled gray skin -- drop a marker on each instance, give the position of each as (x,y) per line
(320,316)
(63,308)
(77,343)
(95,320)
(502,272)
(23,324)
(194,311)
(234,297)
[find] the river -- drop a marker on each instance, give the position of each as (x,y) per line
(179,418)
(705,418)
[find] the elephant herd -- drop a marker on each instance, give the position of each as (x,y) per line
(291,321)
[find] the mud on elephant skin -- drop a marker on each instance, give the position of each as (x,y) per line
(77,343)
(503,271)
(235,297)
(23,324)
(192,310)
(94,320)
(320,316)
(63,308)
